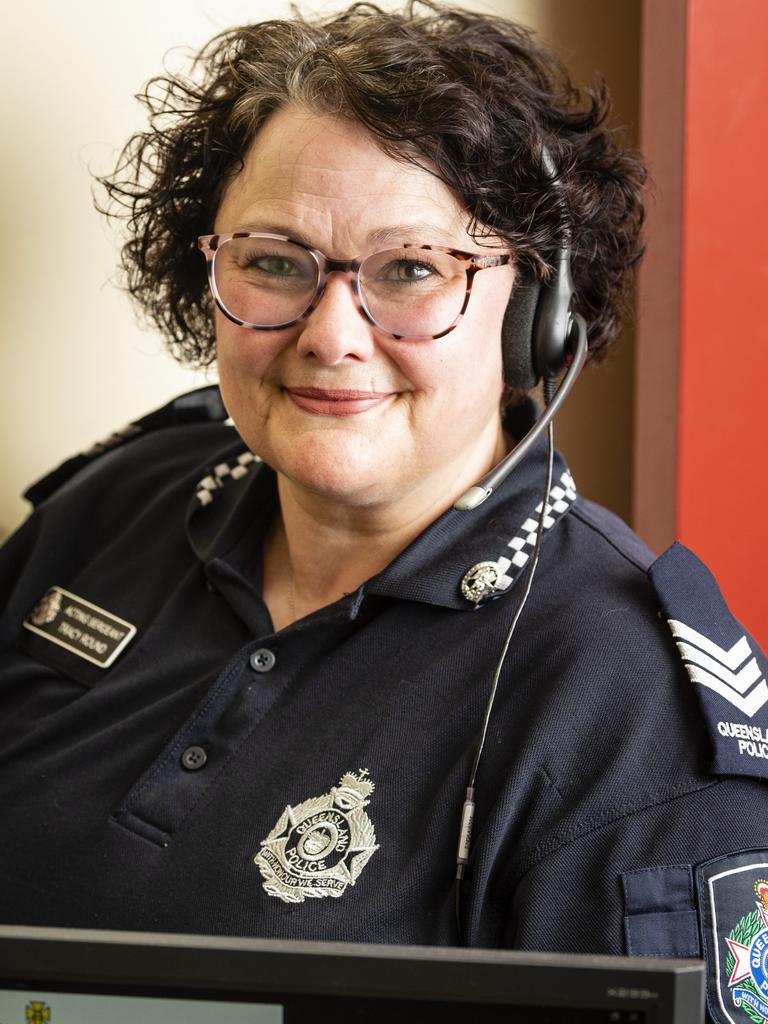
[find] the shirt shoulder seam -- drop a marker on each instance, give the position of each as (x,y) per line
(554,843)
(582,514)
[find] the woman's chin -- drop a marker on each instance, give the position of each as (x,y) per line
(355,471)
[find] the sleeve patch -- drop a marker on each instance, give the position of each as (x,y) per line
(726,667)
(733,904)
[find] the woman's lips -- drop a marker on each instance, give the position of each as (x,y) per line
(335,402)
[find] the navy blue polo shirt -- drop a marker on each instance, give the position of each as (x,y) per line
(217,776)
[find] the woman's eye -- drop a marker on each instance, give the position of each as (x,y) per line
(414,271)
(410,271)
(277,265)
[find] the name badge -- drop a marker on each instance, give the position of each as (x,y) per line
(79,626)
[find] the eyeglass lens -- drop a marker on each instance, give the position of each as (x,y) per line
(411,292)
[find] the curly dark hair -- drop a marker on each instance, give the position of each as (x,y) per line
(473,95)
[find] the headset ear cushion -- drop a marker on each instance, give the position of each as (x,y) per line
(517,335)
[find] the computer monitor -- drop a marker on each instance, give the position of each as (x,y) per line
(67,976)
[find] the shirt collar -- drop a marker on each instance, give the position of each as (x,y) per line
(460,561)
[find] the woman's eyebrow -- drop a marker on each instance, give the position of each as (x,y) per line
(421,231)
(276,229)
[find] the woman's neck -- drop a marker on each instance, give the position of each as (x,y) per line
(320,549)
(314,556)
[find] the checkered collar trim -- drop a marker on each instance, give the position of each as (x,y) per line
(461,561)
(464,559)
(520,548)
(232,499)
(489,579)
(234,469)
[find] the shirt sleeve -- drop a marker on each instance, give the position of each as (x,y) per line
(683,876)
(14,554)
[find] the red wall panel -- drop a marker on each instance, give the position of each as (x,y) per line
(722,482)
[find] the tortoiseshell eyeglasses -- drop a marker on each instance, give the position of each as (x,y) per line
(266,282)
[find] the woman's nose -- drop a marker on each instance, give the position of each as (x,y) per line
(336,329)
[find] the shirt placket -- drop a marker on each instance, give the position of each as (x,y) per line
(243,694)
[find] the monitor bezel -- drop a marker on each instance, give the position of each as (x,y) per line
(201,966)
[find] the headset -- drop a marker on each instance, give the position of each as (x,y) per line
(541,312)
(541,337)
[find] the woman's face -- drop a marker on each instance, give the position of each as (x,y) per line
(427,424)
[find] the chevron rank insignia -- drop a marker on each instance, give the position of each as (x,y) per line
(727,668)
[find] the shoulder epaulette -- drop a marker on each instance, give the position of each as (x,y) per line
(204,405)
(722,660)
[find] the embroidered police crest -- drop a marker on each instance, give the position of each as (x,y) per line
(320,846)
(734,897)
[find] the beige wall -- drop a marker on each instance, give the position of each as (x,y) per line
(73,363)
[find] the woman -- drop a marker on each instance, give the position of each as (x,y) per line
(246,668)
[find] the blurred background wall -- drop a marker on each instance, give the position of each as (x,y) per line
(74,364)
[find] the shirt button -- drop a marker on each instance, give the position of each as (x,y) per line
(193,758)
(262,660)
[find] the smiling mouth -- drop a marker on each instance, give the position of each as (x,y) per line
(336,402)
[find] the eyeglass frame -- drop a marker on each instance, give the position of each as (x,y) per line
(209,245)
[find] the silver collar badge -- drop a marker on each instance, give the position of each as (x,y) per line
(320,846)
(480,581)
